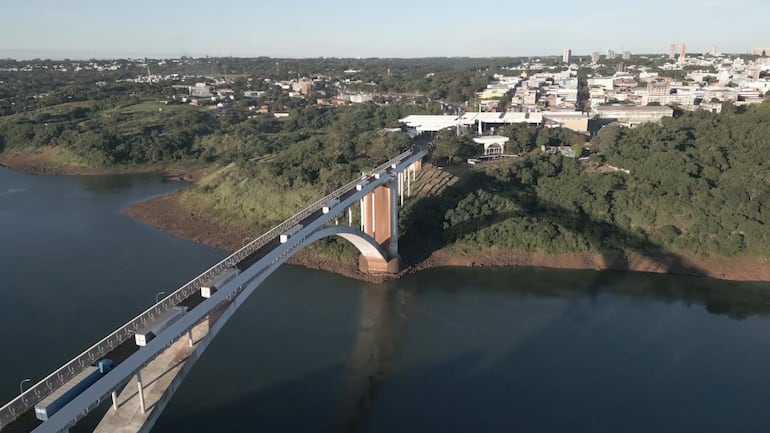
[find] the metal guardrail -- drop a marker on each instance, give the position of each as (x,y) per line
(43,388)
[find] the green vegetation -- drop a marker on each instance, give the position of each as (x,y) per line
(698,185)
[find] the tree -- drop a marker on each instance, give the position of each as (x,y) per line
(453,149)
(607,138)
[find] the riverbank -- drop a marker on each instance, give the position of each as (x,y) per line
(44,162)
(166,213)
(729,268)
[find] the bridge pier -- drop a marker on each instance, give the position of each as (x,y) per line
(377,265)
(379,219)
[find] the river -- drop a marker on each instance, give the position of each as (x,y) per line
(450,350)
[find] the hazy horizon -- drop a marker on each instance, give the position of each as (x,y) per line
(84,56)
(396,29)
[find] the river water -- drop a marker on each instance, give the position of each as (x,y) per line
(450,350)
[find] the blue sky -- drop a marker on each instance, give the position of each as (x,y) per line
(393,28)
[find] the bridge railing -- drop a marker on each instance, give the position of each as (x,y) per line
(41,389)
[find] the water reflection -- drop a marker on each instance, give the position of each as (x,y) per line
(383,314)
(114,184)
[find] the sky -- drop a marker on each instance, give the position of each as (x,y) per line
(367,28)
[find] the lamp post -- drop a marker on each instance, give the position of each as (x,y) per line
(21,385)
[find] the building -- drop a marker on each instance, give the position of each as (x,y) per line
(658,88)
(602,82)
(594,57)
(201,90)
(574,120)
(494,145)
(672,52)
(629,115)
(611,55)
(567,56)
(626,55)
(305,87)
(683,53)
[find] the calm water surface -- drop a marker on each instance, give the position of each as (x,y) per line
(450,350)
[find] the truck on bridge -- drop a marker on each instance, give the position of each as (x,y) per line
(71,389)
(210,287)
(290,232)
(144,335)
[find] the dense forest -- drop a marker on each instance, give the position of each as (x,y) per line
(697,184)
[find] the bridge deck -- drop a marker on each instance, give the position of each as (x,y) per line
(157,376)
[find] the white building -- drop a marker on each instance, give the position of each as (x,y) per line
(633,115)
(494,145)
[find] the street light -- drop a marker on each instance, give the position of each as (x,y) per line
(158,296)
(21,385)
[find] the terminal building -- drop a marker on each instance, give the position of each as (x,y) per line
(484,121)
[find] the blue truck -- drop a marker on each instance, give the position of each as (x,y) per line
(71,389)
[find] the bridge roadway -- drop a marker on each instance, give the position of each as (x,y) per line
(256,260)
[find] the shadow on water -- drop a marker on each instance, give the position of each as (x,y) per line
(113,183)
(299,405)
(427,234)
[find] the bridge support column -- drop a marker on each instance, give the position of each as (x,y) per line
(141,390)
(379,219)
(393,208)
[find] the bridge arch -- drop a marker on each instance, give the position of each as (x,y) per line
(372,252)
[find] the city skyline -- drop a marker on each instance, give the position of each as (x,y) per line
(82,29)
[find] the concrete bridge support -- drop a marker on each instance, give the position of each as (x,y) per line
(380,221)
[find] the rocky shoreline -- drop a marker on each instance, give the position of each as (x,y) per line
(166,213)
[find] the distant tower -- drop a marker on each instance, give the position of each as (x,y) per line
(672,52)
(683,53)
(567,56)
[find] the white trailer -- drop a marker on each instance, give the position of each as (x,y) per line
(144,335)
(210,287)
(289,233)
(330,205)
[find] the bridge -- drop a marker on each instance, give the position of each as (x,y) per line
(144,378)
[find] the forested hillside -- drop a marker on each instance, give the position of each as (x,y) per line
(697,184)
